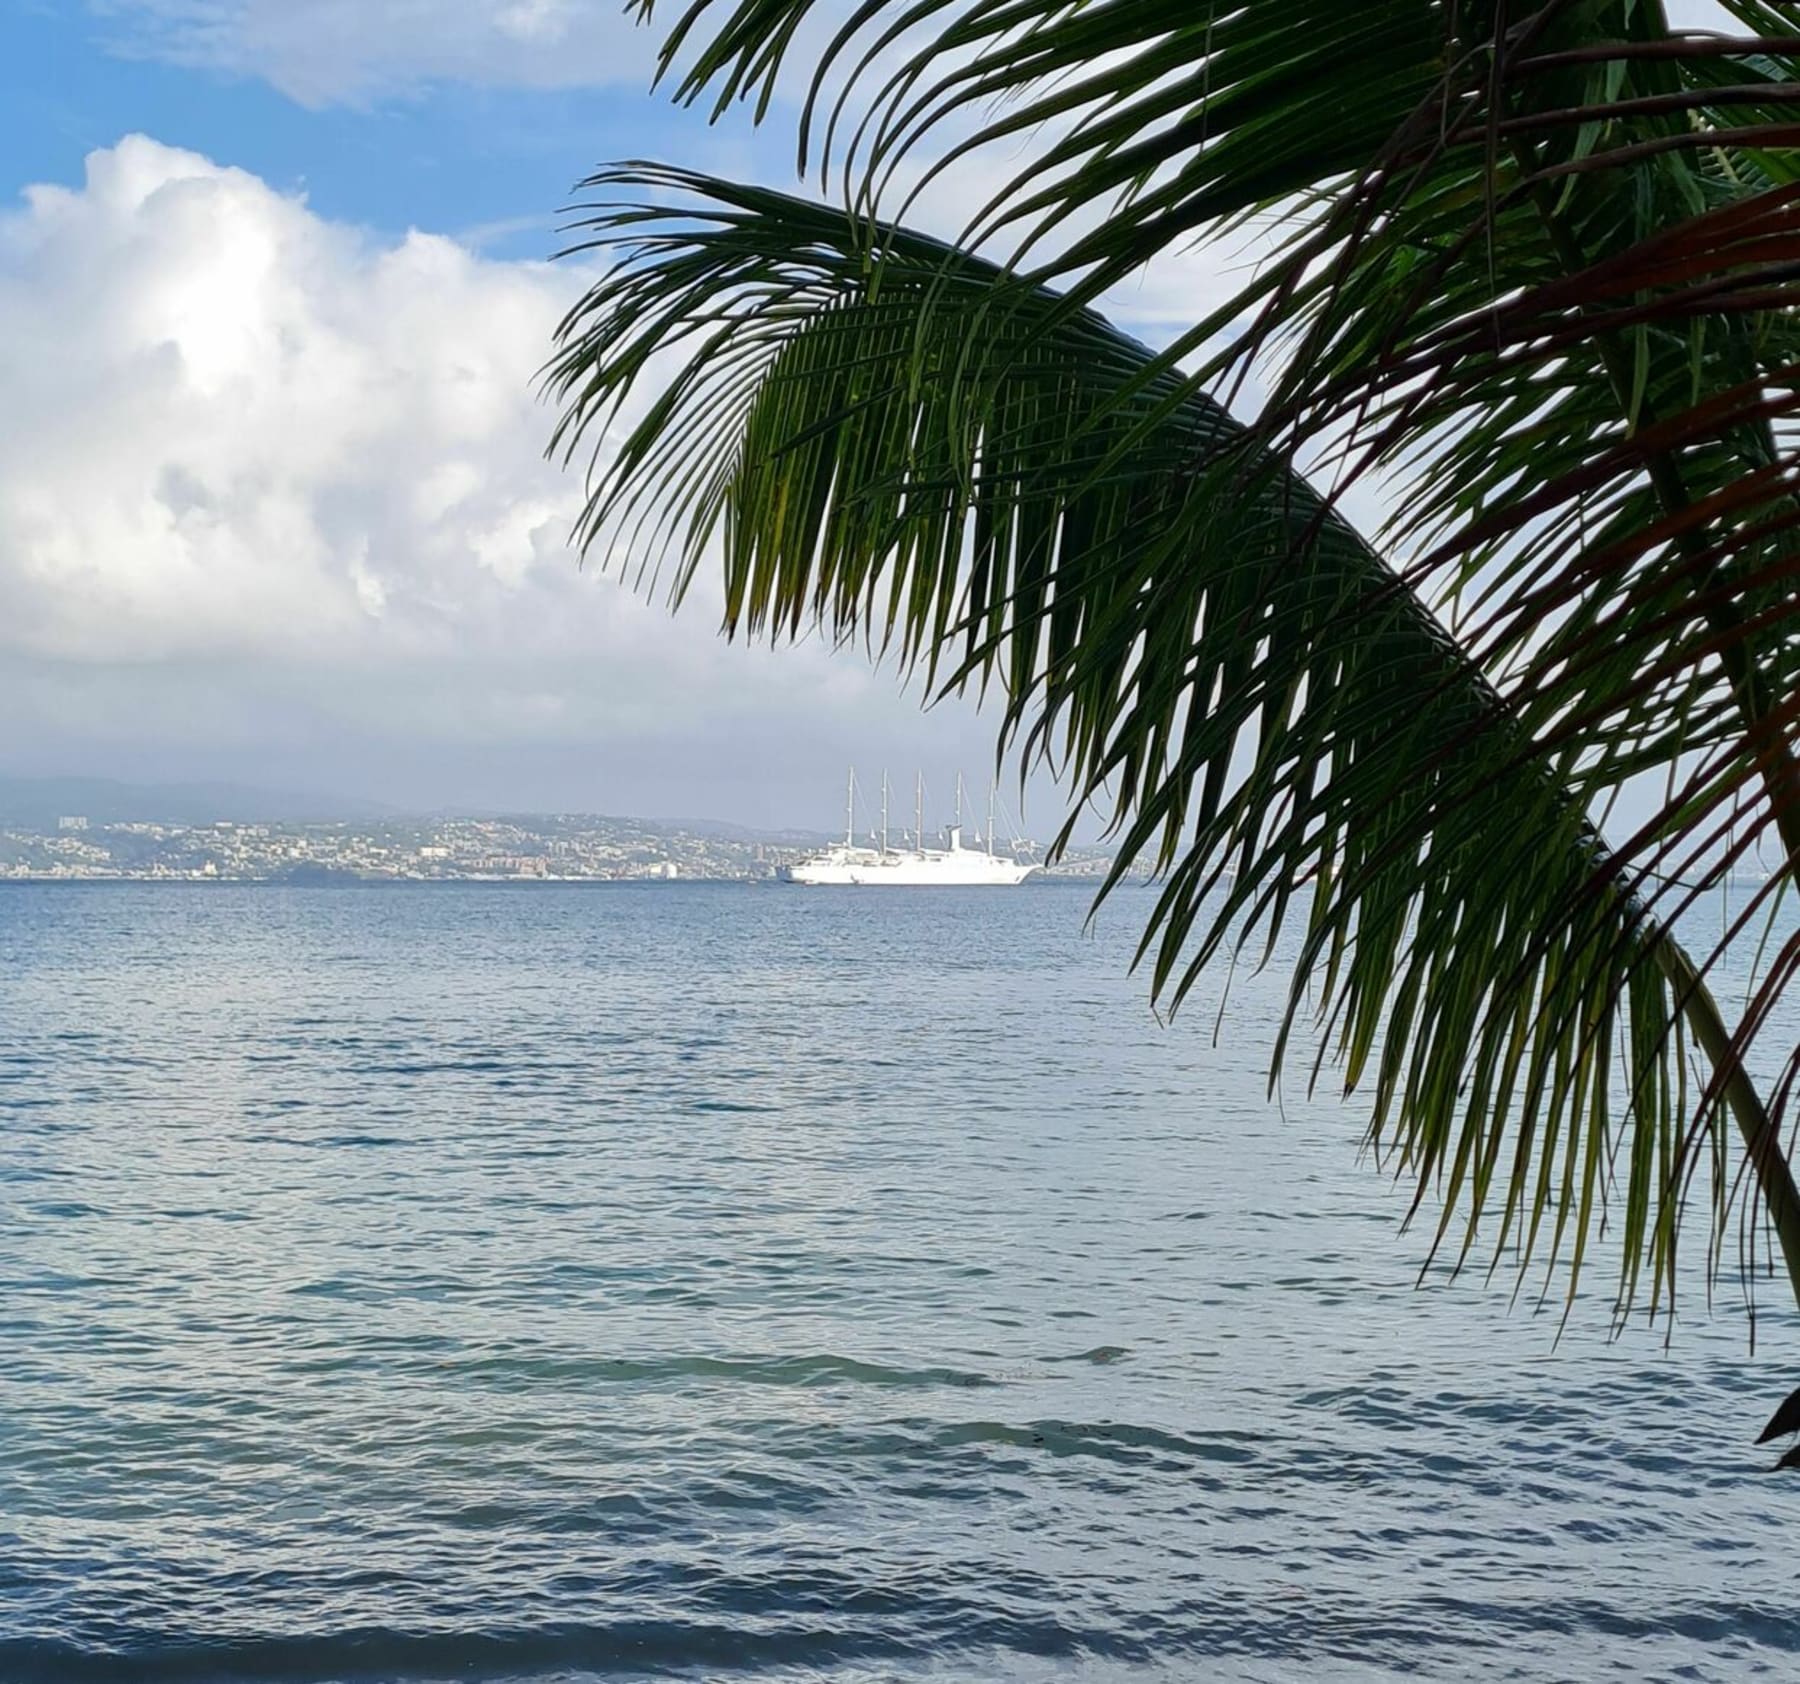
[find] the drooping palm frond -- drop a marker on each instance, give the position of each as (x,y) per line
(885,437)
(1540,257)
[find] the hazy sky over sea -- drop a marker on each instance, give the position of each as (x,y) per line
(273,508)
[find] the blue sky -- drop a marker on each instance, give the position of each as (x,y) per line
(493,162)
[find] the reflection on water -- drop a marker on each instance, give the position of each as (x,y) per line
(496,1283)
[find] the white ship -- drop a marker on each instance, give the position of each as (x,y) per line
(877,865)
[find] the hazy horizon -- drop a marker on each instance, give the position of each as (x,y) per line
(43,796)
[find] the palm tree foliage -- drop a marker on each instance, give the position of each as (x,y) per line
(1534,262)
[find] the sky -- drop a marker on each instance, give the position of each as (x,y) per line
(275,283)
(274,290)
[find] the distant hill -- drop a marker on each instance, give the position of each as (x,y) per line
(37,803)
(718,830)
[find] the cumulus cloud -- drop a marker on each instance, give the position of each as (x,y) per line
(270,484)
(232,425)
(321,51)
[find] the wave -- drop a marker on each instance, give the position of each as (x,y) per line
(817,1369)
(568,1653)
(889,1634)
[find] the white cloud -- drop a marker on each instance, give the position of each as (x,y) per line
(233,426)
(321,51)
(267,481)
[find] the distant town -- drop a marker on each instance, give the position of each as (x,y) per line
(570,848)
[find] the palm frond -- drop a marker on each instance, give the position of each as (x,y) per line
(890,439)
(1537,260)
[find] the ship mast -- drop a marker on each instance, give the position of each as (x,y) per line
(884,801)
(850,812)
(990,835)
(919,813)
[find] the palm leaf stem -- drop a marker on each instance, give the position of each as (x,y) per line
(1781,771)
(1762,1138)
(1675,47)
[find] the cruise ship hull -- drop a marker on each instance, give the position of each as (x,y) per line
(965,869)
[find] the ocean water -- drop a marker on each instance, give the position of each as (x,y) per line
(556,1283)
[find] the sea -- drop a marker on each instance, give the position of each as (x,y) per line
(532,1283)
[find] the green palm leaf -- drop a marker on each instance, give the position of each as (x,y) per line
(894,440)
